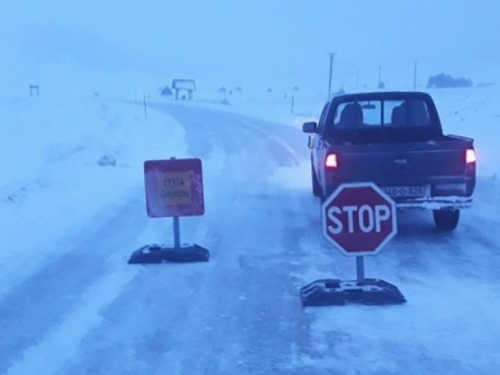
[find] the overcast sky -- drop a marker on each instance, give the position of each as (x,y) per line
(277,41)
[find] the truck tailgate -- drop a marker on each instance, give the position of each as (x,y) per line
(403,163)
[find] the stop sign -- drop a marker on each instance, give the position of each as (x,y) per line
(359,219)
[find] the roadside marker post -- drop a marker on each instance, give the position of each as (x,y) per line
(174,188)
(358,219)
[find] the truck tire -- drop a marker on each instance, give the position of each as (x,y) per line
(316,189)
(446,219)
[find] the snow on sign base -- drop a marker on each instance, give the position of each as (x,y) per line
(174,187)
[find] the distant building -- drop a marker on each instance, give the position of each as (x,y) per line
(184,85)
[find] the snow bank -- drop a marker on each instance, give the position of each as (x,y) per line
(66,160)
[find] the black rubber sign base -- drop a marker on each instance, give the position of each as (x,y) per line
(329,292)
(150,254)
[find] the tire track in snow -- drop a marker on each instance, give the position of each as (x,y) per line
(236,324)
(62,342)
(59,284)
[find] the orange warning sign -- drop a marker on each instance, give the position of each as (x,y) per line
(174,188)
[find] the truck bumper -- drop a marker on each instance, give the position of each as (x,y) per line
(435,203)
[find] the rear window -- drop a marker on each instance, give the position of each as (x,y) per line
(382,120)
(376,113)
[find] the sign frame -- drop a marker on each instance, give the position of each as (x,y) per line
(174,187)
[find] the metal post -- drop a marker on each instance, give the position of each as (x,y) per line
(145,108)
(415,77)
(332,55)
(177,233)
(360,265)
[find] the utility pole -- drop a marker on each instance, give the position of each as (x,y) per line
(415,77)
(332,56)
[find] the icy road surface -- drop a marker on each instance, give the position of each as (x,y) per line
(88,312)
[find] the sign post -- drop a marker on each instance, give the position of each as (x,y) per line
(174,188)
(360,268)
(358,219)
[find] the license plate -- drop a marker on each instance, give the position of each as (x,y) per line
(405,191)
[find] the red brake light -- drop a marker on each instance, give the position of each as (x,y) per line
(470,156)
(331,161)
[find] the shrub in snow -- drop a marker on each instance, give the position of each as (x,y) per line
(106,161)
(445,81)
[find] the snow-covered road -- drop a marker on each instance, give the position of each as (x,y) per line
(88,312)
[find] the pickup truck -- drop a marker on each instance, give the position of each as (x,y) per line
(395,140)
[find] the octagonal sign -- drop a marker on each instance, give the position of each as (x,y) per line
(359,219)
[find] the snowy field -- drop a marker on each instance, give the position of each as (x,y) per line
(66,162)
(72,211)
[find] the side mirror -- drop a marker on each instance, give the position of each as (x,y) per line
(310,127)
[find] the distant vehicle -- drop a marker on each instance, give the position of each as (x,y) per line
(395,140)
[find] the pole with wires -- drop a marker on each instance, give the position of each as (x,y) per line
(332,56)
(415,77)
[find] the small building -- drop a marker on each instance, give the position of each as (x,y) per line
(184,85)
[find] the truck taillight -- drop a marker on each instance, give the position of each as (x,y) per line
(331,161)
(470,156)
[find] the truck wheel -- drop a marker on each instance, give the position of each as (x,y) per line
(315,184)
(446,219)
